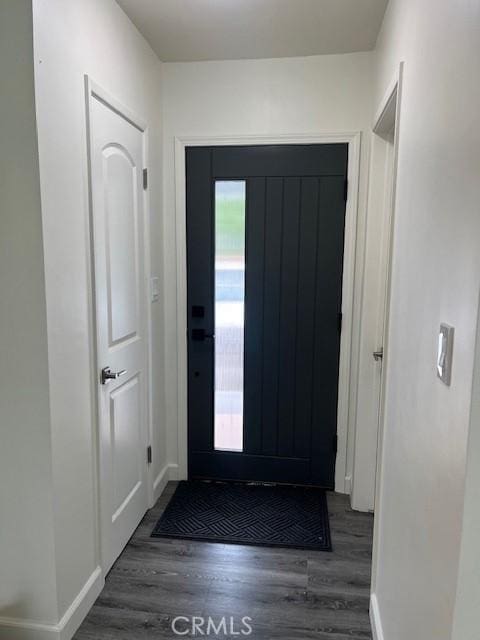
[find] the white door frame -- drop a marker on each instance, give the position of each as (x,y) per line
(346,373)
(93,91)
(387,118)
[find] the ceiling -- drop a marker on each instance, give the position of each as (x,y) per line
(188,30)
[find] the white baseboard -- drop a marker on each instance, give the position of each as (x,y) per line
(169,472)
(376,622)
(82,604)
(13,629)
(18,629)
(348,485)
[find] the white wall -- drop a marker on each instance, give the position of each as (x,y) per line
(436,277)
(257,97)
(467,606)
(27,573)
(71,39)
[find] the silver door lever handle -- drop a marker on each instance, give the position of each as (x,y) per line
(107,374)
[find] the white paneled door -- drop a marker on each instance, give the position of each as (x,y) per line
(118,210)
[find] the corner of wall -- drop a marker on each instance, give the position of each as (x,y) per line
(28,585)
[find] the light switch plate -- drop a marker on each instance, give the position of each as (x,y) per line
(154,289)
(445,353)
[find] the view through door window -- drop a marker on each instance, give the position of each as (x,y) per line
(229,313)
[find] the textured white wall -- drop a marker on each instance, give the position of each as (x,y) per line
(27,582)
(72,39)
(258,97)
(436,277)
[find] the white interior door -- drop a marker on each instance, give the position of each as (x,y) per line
(385,270)
(116,157)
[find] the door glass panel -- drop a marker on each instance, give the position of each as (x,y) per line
(229,313)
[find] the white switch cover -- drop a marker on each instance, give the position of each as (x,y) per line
(445,353)
(154,289)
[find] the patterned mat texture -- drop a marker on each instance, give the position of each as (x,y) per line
(247,514)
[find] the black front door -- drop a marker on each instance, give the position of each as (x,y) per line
(265,235)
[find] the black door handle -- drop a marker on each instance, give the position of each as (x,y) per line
(200,335)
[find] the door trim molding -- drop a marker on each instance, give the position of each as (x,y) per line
(95,91)
(393,96)
(348,343)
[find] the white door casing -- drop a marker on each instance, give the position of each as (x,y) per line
(387,128)
(118,221)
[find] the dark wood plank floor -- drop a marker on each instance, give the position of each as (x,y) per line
(289,594)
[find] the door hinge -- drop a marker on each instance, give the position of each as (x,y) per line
(335,444)
(149,454)
(340,318)
(145,178)
(345,190)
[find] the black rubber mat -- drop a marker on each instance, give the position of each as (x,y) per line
(247,514)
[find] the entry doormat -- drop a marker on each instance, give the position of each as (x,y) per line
(266,515)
